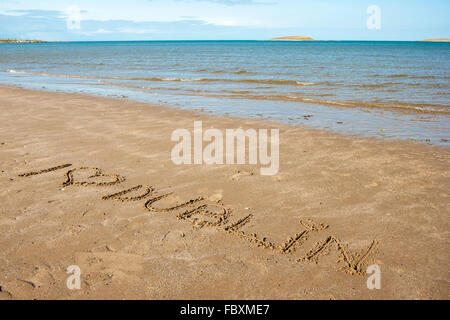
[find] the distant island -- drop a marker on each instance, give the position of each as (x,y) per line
(437,40)
(20,41)
(293,38)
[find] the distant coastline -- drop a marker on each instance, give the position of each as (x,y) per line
(437,40)
(293,38)
(20,41)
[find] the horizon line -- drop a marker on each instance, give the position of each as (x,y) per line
(180,40)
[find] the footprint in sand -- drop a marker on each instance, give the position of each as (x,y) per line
(241,174)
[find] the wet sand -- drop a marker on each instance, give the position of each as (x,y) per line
(88,181)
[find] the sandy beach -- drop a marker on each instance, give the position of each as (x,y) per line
(88,181)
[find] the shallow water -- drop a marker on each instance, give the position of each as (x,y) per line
(383,89)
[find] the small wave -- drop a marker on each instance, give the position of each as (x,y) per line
(238,72)
(416,77)
(424,77)
(244,72)
(421,108)
(50,74)
(15,71)
(158,79)
(390,76)
(397,76)
(255,81)
(235,91)
(375,85)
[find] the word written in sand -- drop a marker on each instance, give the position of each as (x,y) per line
(235,140)
(201,213)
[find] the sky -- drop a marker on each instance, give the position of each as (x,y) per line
(106,20)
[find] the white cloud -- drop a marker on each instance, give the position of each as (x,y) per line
(230,22)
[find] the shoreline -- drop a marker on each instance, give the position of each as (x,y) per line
(201,111)
(21,41)
(354,191)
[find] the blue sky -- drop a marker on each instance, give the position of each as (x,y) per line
(221,19)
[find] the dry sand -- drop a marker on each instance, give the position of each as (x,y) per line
(337,205)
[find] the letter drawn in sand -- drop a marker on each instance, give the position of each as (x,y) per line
(150,202)
(218,218)
(353,261)
(33,173)
(119,195)
(98,174)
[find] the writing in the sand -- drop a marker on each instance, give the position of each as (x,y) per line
(201,212)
